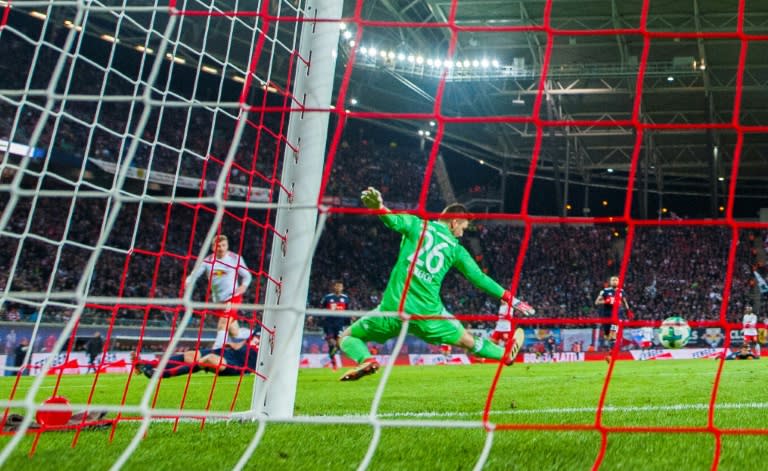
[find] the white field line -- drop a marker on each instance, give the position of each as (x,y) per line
(363,418)
(238,416)
(358,418)
(542,411)
(582,410)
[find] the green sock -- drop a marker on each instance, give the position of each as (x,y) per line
(355,349)
(486,349)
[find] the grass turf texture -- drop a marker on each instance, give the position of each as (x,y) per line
(663,393)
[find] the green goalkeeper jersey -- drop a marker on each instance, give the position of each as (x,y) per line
(440,250)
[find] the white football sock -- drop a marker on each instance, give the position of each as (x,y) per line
(243,333)
(221,337)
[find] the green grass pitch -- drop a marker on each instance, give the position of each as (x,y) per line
(662,393)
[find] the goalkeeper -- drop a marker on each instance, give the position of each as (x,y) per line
(440,250)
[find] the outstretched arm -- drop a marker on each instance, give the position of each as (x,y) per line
(472,272)
(402,223)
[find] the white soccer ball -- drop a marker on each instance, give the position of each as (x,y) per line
(674,332)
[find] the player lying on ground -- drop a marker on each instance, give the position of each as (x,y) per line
(232,360)
(440,250)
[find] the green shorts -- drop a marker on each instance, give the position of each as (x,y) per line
(435,331)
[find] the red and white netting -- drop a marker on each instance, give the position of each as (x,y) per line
(133,134)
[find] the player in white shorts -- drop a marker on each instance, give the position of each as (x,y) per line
(223,269)
(750,329)
(503,330)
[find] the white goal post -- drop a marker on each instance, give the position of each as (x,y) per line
(274,388)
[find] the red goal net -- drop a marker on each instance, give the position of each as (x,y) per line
(587,139)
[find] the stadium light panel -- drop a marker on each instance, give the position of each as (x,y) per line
(391,54)
(108,38)
(427,133)
(210,70)
(347,34)
(238,78)
(485,63)
(383,54)
(352,43)
(475,63)
(342,26)
(670,79)
(419,60)
(372,52)
(69,25)
(363,50)
(411,59)
(721,179)
(176,59)
(432,123)
(466,63)
(401,57)
(438,63)
(609,170)
(353,101)
(495,63)
(38,15)
(142,48)
(421,132)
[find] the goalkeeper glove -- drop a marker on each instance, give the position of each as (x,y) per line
(371,198)
(524,308)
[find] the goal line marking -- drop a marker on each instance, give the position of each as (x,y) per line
(581,410)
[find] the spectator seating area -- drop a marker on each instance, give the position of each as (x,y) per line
(673,270)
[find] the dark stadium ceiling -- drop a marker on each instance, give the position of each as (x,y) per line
(589,77)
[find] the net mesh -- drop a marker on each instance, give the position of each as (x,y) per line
(112,88)
(154,103)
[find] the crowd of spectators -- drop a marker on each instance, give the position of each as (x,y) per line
(150,248)
(191,140)
(672,270)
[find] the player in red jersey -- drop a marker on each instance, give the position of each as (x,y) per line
(606,299)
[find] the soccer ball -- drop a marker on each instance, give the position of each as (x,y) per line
(674,332)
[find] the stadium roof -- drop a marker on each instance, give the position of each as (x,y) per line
(689,78)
